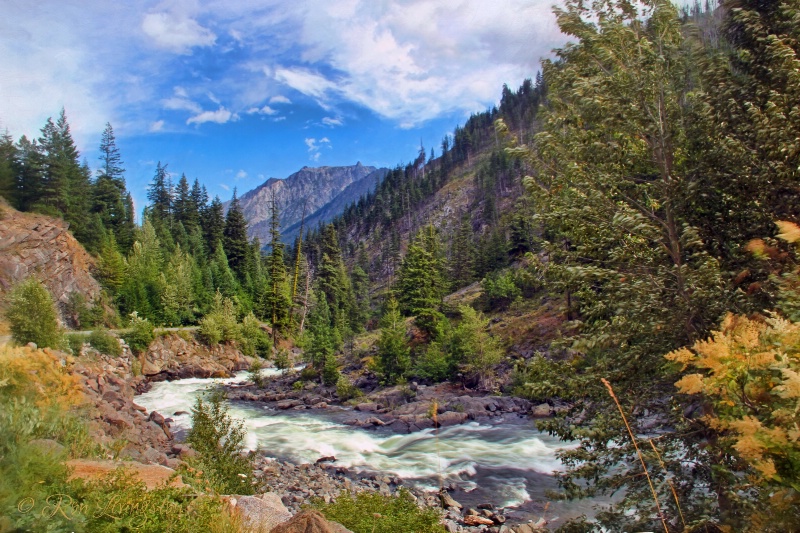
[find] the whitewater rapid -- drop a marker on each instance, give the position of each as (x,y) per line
(509,458)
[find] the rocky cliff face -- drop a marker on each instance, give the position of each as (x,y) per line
(316,188)
(32,244)
(176,356)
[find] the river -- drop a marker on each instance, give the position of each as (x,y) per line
(508,462)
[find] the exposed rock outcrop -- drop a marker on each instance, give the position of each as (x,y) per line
(110,385)
(32,244)
(180,355)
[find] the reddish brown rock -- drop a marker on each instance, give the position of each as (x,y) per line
(32,244)
(308,521)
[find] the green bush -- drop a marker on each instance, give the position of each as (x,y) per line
(255,372)
(345,389)
(282,361)
(75,342)
(372,512)
(220,323)
(219,442)
(140,333)
(32,315)
(104,342)
(254,340)
(434,364)
(500,289)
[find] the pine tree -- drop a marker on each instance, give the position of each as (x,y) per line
(235,238)
(277,295)
(8,164)
(213,222)
(476,352)
(420,285)
(393,352)
(30,173)
(462,255)
(111,159)
(159,194)
(321,347)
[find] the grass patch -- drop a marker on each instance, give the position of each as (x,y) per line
(372,512)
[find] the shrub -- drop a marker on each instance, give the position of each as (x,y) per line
(75,342)
(255,372)
(219,442)
(434,364)
(345,389)
(282,361)
(254,340)
(500,289)
(140,333)
(330,371)
(372,512)
(220,323)
(32,315)
(104,342)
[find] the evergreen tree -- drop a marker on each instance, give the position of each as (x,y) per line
(30,173)
(321,348)
(420,285)
(141,289)
(332,280)
(159,194)
(8,164)
(111,159)
(278,293)
(235,238)
(393,353)
(476,352)
(462,256)
(213,222)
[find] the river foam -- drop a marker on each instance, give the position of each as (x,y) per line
(509,457)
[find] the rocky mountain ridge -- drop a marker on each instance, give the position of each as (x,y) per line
(322,193)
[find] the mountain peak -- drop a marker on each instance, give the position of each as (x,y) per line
(310,189)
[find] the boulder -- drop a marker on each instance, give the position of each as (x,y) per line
(151,475)
(473,520)
(308,521)
(260,513)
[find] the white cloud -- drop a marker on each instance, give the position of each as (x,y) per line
(331,121)
(222,185)
(305,81)
(266,110)
(278,119)
(314,146)
(220,116)
(177,103)
(158,125)
(241,175)
(175,32)
(418,60)
(279,100)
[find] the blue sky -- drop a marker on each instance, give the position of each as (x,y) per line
(233,92)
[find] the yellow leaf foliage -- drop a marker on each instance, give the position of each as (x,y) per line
(39,376)
(749,371)
(789,231)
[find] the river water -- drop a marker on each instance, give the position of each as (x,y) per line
(508,462)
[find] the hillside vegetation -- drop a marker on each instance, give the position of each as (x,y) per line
(618,237)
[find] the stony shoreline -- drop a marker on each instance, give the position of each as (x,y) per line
(111,385)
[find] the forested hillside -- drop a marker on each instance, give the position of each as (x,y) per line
(617,238)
